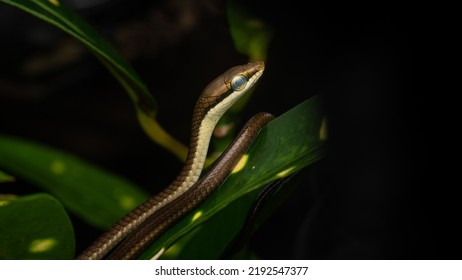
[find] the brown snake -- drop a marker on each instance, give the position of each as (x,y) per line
(147,221)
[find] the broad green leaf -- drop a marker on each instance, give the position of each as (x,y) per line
(210,238)
(34,227)
(5,177)
(59,15)
(291,142)
(198,246)
(97,196)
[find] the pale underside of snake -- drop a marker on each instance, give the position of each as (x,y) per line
(141,226)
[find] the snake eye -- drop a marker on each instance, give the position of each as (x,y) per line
(238,82)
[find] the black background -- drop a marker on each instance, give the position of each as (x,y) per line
(372,197)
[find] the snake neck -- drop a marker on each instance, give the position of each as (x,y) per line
(200,139)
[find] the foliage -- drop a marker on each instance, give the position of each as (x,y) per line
(290,143)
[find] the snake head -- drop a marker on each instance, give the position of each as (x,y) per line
(226,89)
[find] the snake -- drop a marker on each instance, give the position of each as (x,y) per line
(133,233)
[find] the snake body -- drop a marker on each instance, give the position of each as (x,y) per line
(161,210)
(156,224)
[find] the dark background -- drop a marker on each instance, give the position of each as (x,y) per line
(368,199)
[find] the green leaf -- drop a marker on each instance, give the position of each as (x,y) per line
(97,196)
(35,227)
(250,34)
(288,144)
(59,15)
(5,177)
